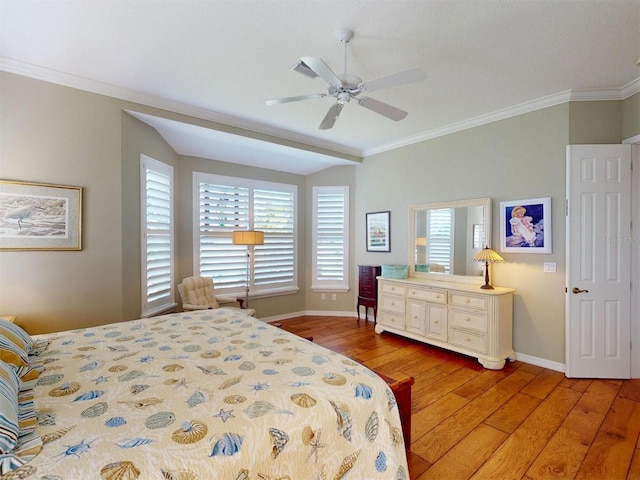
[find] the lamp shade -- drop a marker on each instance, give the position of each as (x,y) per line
(487,255)
(248,237)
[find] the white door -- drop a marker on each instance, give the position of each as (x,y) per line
(598,261)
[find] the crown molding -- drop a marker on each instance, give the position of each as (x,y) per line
(480,120)
(595,94)
(134,96)
(60,78)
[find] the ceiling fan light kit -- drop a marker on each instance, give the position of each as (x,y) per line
(348,86)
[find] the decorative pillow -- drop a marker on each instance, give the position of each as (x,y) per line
(12,353)
(9,428)
(16,335)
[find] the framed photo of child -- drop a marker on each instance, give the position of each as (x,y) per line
(525,226)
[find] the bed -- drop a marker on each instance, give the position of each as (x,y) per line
(203,395)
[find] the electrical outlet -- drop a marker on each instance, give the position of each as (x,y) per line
(334,297)
(323,296)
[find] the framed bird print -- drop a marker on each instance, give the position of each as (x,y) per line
(38,216)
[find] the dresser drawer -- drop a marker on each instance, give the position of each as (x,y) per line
(392,319)
(467,300)
(476,320)
(393,289)
(392,302)
(472,341)
(432,295)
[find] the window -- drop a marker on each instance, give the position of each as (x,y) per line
(440,229)
(156,214)
(224,204)
(330,238)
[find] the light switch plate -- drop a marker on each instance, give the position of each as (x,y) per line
(550,267)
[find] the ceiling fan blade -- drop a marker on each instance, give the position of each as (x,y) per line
(322,70)
(401,78)
(277,101)
(382,108)
(331,116)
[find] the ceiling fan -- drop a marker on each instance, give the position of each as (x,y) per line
(346,87)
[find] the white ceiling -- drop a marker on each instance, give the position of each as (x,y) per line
(220,60)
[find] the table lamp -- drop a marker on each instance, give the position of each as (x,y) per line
(487,256)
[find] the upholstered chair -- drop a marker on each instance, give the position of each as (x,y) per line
(198,293)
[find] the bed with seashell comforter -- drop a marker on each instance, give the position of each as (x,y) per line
(211,394)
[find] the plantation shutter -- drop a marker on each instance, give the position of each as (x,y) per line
(222,209)
(273,213)
(440,228)
(157,235)
(225,204)
(330,227)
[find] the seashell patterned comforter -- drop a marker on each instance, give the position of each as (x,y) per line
(212,394)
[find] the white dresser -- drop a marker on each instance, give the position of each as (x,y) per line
(459,317)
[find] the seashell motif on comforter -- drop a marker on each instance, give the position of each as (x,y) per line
(179,396)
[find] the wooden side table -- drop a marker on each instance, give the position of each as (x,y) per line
(368,289)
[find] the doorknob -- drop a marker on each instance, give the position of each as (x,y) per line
(577,290)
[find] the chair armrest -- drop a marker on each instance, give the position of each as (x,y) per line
(189,306)
(227,300)
(224,300)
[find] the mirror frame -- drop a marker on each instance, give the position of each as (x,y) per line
(473,202)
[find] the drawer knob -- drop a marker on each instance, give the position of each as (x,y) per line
(468,319)
(436,322)
(467,339)
(437,297)
(467,301)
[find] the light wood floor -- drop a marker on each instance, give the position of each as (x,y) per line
(523,422)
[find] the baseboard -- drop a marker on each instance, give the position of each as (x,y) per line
(541,362)
(522,357)
(322,313)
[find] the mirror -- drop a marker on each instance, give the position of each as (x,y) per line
(444,237)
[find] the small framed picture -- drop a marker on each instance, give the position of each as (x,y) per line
(525,226)
(378,233)
(38,216)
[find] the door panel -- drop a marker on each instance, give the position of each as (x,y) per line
(599,261)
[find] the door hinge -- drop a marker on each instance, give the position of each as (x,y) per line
(566,207)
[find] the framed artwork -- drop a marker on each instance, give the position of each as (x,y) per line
(38,216)
(378,233)
(525,226)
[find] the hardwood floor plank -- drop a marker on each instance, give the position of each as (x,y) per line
(465,458)
(612,451)
(543,384)
(425,395)
(508,417)
(480,384)
(445,435)
(631,390)
(634,469)
(550,415)
(518,452)
(563,455)
(427,418)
